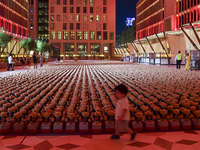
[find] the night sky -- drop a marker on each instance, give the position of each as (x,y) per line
(125,9)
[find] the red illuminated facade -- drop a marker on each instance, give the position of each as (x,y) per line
(156,16)
(14,17)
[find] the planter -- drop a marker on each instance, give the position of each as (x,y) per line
(4,128)
(46,127)
(150,125)
(186,124)
(18,127)
(33,127)
(83,127)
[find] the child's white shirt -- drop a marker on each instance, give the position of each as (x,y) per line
(122,104)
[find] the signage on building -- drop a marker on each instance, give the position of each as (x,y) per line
(195,55)
(129,21)
(56,47)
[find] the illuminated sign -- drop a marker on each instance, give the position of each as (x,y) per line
(129,21)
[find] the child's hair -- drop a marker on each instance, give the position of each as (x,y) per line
(122,89)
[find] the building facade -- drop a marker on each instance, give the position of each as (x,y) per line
(118,40)
(14,20)
(82,27)
(129,35)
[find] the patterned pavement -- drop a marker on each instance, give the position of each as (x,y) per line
(180,140)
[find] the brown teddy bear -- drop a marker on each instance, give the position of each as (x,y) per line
(85,117)
(139,117)
(148,115)
(18,117)
(34,117)
(197,114)
(4,117)
(58,117)
(46,117)
(71,117)
(163,114)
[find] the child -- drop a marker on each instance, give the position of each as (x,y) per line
(122,113)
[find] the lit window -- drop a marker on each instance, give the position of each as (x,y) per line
(92,35)
(52,25)
(77,17)
(111,35)
(52,9)
(71,9)
(58,17)
(91,18)
(31,17)
(31,9)
(98,35)
(98,17)
(84,2)
(59,35)
(31,26)
(91,2)
(52,17)
(53,35)
(78,35)
(85,35)
(72,35)
(65,35)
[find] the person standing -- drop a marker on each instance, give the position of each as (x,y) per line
(34,61)
(10,63)
(139,58)
(122,113)
(178,60)
(41,60)
(187,66)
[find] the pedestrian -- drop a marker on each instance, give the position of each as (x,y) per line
(122,113)
(34,61)
(10,63)
(188,58)
(41,60)
(122,59)
(178,60)
(139,58)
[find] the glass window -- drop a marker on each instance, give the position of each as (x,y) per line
(82,48)
(91,18)
(52,9)
(52,25)
(64,26)
(53,35)
(94,48)
(31,17)
(65,35)
(98,17)
(71,9)
(78,26)
(69,48)
(85,36)
(31,26)
(104,26)
(77,9)
(58,2)
(104,10)
(84,9)
(98,35)
(92,35)
(64,2)
(91,2)
(84,2)
(91,9)
(72,35)
(31,9)
(71,2)
(105,36)
(78,35)
(104,2)
(58,17)
(78,18)
(58,35)
(52,17)
(71,26)
(111,36)
(64,9)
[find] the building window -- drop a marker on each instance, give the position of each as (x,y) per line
(64,26)
(52,9)
(91,9)
(78,26)
(98,35)
(52,25)
(69,48)
(104,2)
(84,9)
(71,26)
(64,9)
(31,9)
(84,2)
(53,35)
(64,2)
(71,2)
(58,17)
(91,2)
(104,10)
(31,17)
(98,17)
(104,26)
(32,2)
(77,9)
(94,49)
(58,35)
(71,10)
(85,35)
(92,35)
(91,18)
(78,35)
(78,18)
(58,2)
(105,36)
(65,35)
(52,17)
(72,35)
(31,26)
(111,36)
(82,49)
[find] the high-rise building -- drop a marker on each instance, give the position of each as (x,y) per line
(14,20)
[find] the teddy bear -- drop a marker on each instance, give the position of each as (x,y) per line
(85,117)
(46,117)
(110,115)
(34,117)
(156,111)
(163,114)
(57,117)
(97,116)
(176,113)
(139,117)
(148,115)
(186,113)
(4,117)
(197,114)
(18,117)
(10,113)
(71,117)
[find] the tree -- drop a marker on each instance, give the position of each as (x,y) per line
(4,39)
(28,44)
(44,47)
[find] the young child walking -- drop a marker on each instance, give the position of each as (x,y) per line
(122,113)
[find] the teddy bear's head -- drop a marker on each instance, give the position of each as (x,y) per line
(170,107)
(186,112)
(197,114)
(187,105)
(71,116)
(3,114)
(57,114)
(163,112)
(46,114)
(34,114)
(193,108)
(17,115)
(85,114)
